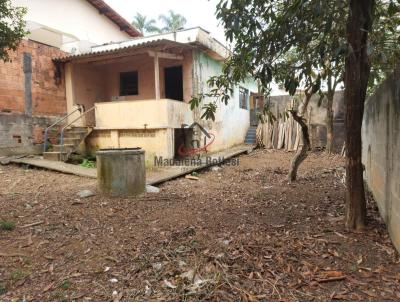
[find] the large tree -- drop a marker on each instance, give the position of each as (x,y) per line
(359,24)
(264,31)
(145,25)
(12,28)
(172,21)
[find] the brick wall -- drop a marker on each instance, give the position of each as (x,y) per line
(31,95)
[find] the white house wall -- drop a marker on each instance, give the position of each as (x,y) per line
(75,17)
(231,122)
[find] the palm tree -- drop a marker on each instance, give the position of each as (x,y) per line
(172,21)
(144,25)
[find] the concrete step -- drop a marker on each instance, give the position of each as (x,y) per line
(78,129)
(55,156)
(79,135)
(66,148)
(251,135)
(72,141)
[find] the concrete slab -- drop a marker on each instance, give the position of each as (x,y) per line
(57,166)
(169,173)
(155,176)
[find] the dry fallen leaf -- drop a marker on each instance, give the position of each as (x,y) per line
(169,284)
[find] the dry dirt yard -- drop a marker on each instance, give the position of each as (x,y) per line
(241,233)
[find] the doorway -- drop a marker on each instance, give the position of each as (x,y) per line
(173,83)
(256,106)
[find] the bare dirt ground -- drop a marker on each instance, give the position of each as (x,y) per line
(241,233)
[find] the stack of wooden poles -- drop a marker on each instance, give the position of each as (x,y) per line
(283,133)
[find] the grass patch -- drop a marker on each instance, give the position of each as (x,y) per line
(7,225)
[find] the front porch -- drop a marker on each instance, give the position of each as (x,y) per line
(137,97)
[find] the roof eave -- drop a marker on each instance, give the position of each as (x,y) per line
(111,14)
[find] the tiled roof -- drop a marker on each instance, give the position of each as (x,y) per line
(123,49)
(107,11)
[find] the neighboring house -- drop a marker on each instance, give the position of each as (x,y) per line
(137,93)
(75,25)
(32,89)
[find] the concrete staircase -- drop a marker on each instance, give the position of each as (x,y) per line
(73,137)
(251,136)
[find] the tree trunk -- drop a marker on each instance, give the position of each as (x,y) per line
(329,124)
(357,69)
(301,153)
(305,145)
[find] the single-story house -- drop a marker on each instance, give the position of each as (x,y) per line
(136,93)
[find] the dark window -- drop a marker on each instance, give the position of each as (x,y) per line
(243,98)
(128,83)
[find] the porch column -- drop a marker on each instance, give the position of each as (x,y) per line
(70,95)
(157,76)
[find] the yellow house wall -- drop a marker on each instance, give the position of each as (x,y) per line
(151,114)
(155,142)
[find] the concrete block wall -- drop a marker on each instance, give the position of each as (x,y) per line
(280,103)
(381,151)
(32,95)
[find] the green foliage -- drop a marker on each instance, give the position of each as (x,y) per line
(6,225)
(299,43)
(12,28)
(87,163)
(145,25)
(172,21)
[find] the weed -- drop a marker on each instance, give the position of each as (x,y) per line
(7,225)
(3,289)
(18,275)
(87,163)
(66,284)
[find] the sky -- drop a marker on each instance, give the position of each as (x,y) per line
(197,12)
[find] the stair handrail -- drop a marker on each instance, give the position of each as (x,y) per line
(46,132)
(62,130)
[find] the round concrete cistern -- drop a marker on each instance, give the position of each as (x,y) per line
(121,172)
